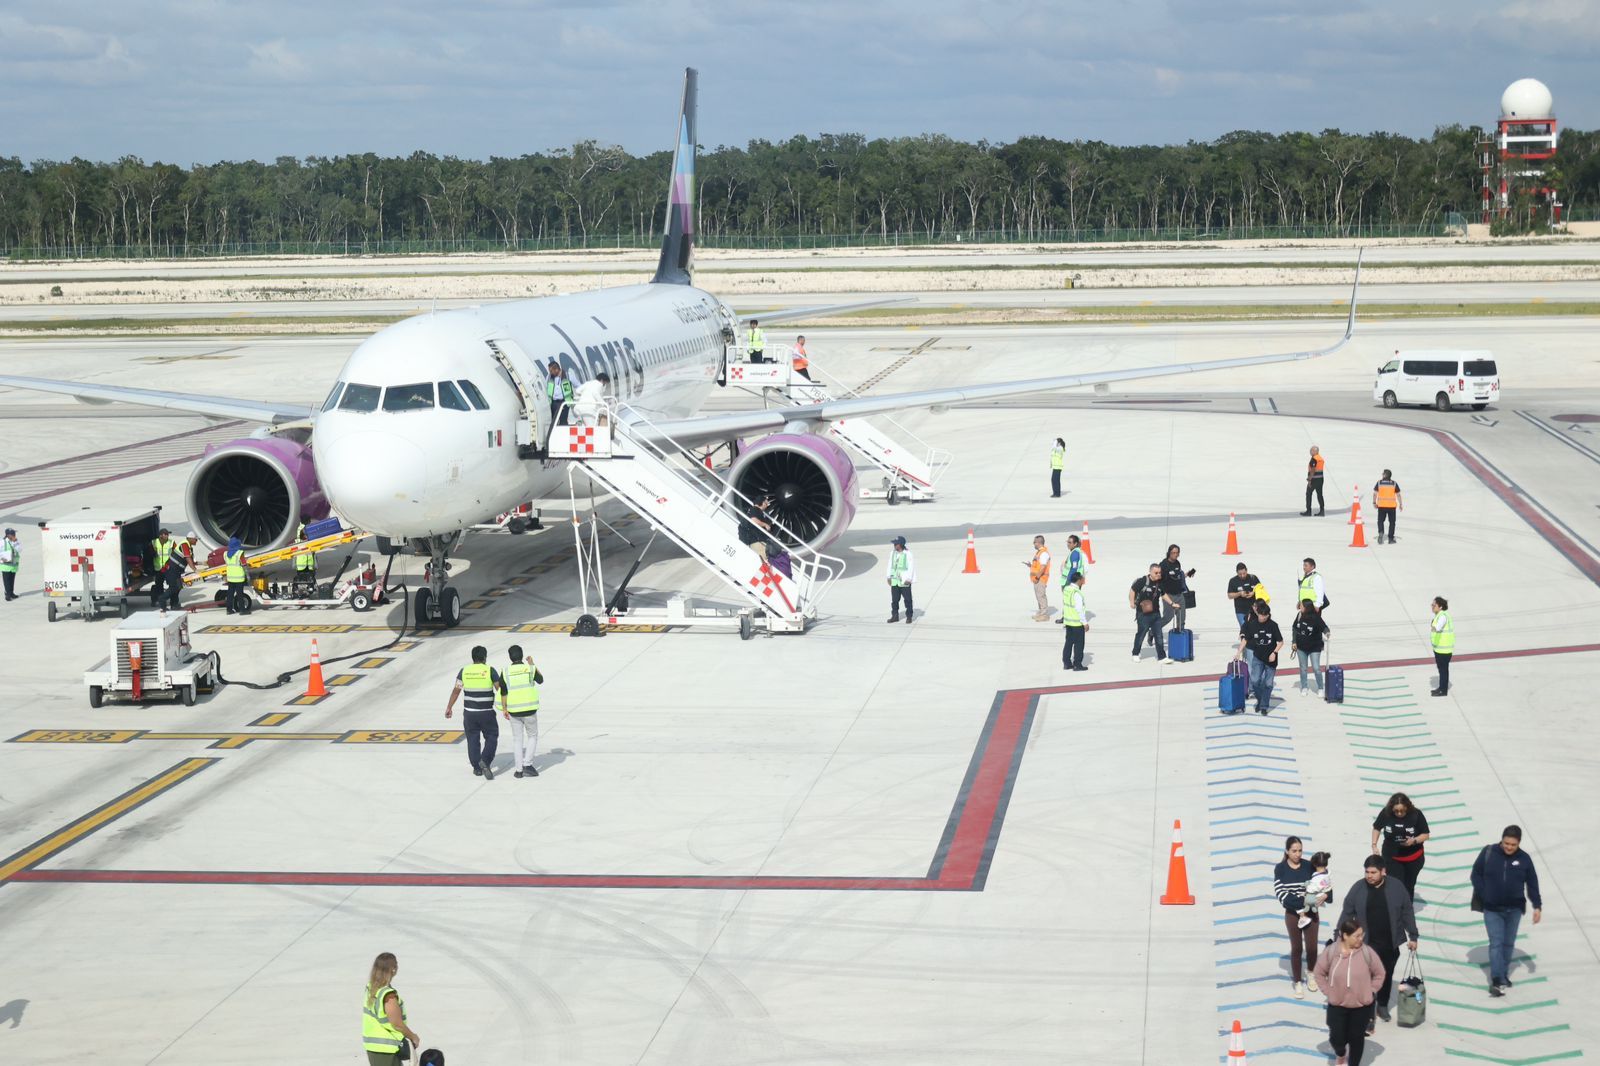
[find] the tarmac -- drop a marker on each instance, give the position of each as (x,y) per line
(868,844)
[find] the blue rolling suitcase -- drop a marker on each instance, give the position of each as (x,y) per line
(1333,684)
(1180,645)
(1231,689)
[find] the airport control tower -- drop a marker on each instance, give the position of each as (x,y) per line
(1515,160)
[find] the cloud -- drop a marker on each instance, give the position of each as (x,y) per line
(275,59)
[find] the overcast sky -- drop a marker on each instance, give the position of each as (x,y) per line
(187,81)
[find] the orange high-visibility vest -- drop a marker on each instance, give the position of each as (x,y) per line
(1388,495)
(1039,571)
(800,360)
(1319,464)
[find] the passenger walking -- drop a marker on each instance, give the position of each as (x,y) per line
(10,560)
(1175,583)
(1058,459)
(1383,907)
(755,342)
(383,1016)
(1316,469)
(1312,587)
(901,572)
(755,528)
(1242,593)
(1310,636)
(1351,974)
(590,398)
(1264,640)
(1386,494)
(1146,598)
(234,574)
(1503,883)
(1075,619)
(477,685)
(1403,830)
(1291,880)
(522,709)
(1039,578)
(1442,634)
(800,361)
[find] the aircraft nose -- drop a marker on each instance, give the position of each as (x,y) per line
(371,478)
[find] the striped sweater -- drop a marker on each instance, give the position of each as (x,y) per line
(1289,885)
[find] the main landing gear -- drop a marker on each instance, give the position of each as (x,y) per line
(438,603)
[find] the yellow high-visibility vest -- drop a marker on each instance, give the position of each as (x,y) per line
(1444,640)
(522,693)
(235,564)
(377,1034)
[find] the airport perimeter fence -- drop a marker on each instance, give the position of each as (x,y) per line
(733,242)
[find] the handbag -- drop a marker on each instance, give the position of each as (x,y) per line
(1477,898)
(1413,1005)
(1190,599)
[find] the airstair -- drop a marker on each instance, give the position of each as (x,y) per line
(909,467)
(698,511)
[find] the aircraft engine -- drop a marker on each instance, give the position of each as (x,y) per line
(258,489)
(811,480)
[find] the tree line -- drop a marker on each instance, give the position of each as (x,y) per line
(830,187)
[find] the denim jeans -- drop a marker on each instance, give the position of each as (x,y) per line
(1502,928)
(1150,623)
(1261,678)
(1314,660)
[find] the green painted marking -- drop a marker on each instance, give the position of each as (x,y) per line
(1459,923)
(1381,718)
(1386,707)
(1482,986)
(1472,965)
(1351,732)
(1451,836)
(1401,769)
(1404,758)
(1418,795)
(1444,888)
(1467,943)
(1534,1061)
(1448,821)
(1392,781)
(1394,747)
(1518,1035)
(1454,851)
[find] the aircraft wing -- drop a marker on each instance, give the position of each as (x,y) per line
(707,429)
(211,406)
(789,313)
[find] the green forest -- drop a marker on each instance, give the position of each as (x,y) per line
(825,190)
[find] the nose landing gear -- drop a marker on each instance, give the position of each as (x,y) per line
(438,603)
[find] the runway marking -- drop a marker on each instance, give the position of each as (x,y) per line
(229,628)
(275,718)
(305,701)
(961,860)
(75,736)
(74,831)
(230,741)
(374,662)
(342,680)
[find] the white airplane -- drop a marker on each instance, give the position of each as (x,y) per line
(434,423)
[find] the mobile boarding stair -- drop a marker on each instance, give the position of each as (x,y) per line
(695,509)
(909,471)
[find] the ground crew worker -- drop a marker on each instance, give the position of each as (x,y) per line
(1442,634)
(305,562)
(1058,459)
(801,362)
(477,683)
(1386,494)
(10,560)
(234,575)
(755,342)
(1316,469)
(1075,619)
(1311,585)
(558,388)
(521,708)
(1039,575)
(383,1016)
(901,573)
(1077,562)
(161,555)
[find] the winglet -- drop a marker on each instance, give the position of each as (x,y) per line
(677,247)
(1350,325)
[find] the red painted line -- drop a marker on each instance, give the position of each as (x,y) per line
(978,816)
(379,880)
(120,448)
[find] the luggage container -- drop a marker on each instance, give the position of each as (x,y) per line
(95,562)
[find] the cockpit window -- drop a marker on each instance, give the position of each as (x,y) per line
(450,396)
(473,394)
(333,396)
(360,398)
(418,397)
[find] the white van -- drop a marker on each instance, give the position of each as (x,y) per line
(1441,379)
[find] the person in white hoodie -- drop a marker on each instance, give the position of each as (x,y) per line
(901,572)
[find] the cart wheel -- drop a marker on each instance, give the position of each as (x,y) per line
(186,693)
(747,627)
(246,604)
(96,695)
(894,497)
(124,609)
(587,626)
(220,597)
(517,526)
(50,611)
(361,601)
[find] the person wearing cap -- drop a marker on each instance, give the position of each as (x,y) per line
(901,572)
(10,559)
(589,400)
(755,342)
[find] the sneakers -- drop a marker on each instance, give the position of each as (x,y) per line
(518,773)
(488,772)
(1080,668)
(1496,991)
(1305,514)
(892,618)
(478,771)
(1299,990)
(1260,709)
(1311,982)
(1438,692)
(1136,658)
(529,771)
(1168,661)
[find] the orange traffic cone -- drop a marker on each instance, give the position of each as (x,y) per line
(314,685)
(1177,894)
(1233,536)
(972,555)
(1358,535)
(1355,506)
(1083,538)
(1236,1045)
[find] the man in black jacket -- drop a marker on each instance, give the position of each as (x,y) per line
(1384,908)
(1501,877)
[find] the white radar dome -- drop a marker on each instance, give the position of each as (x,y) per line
(1527,98)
